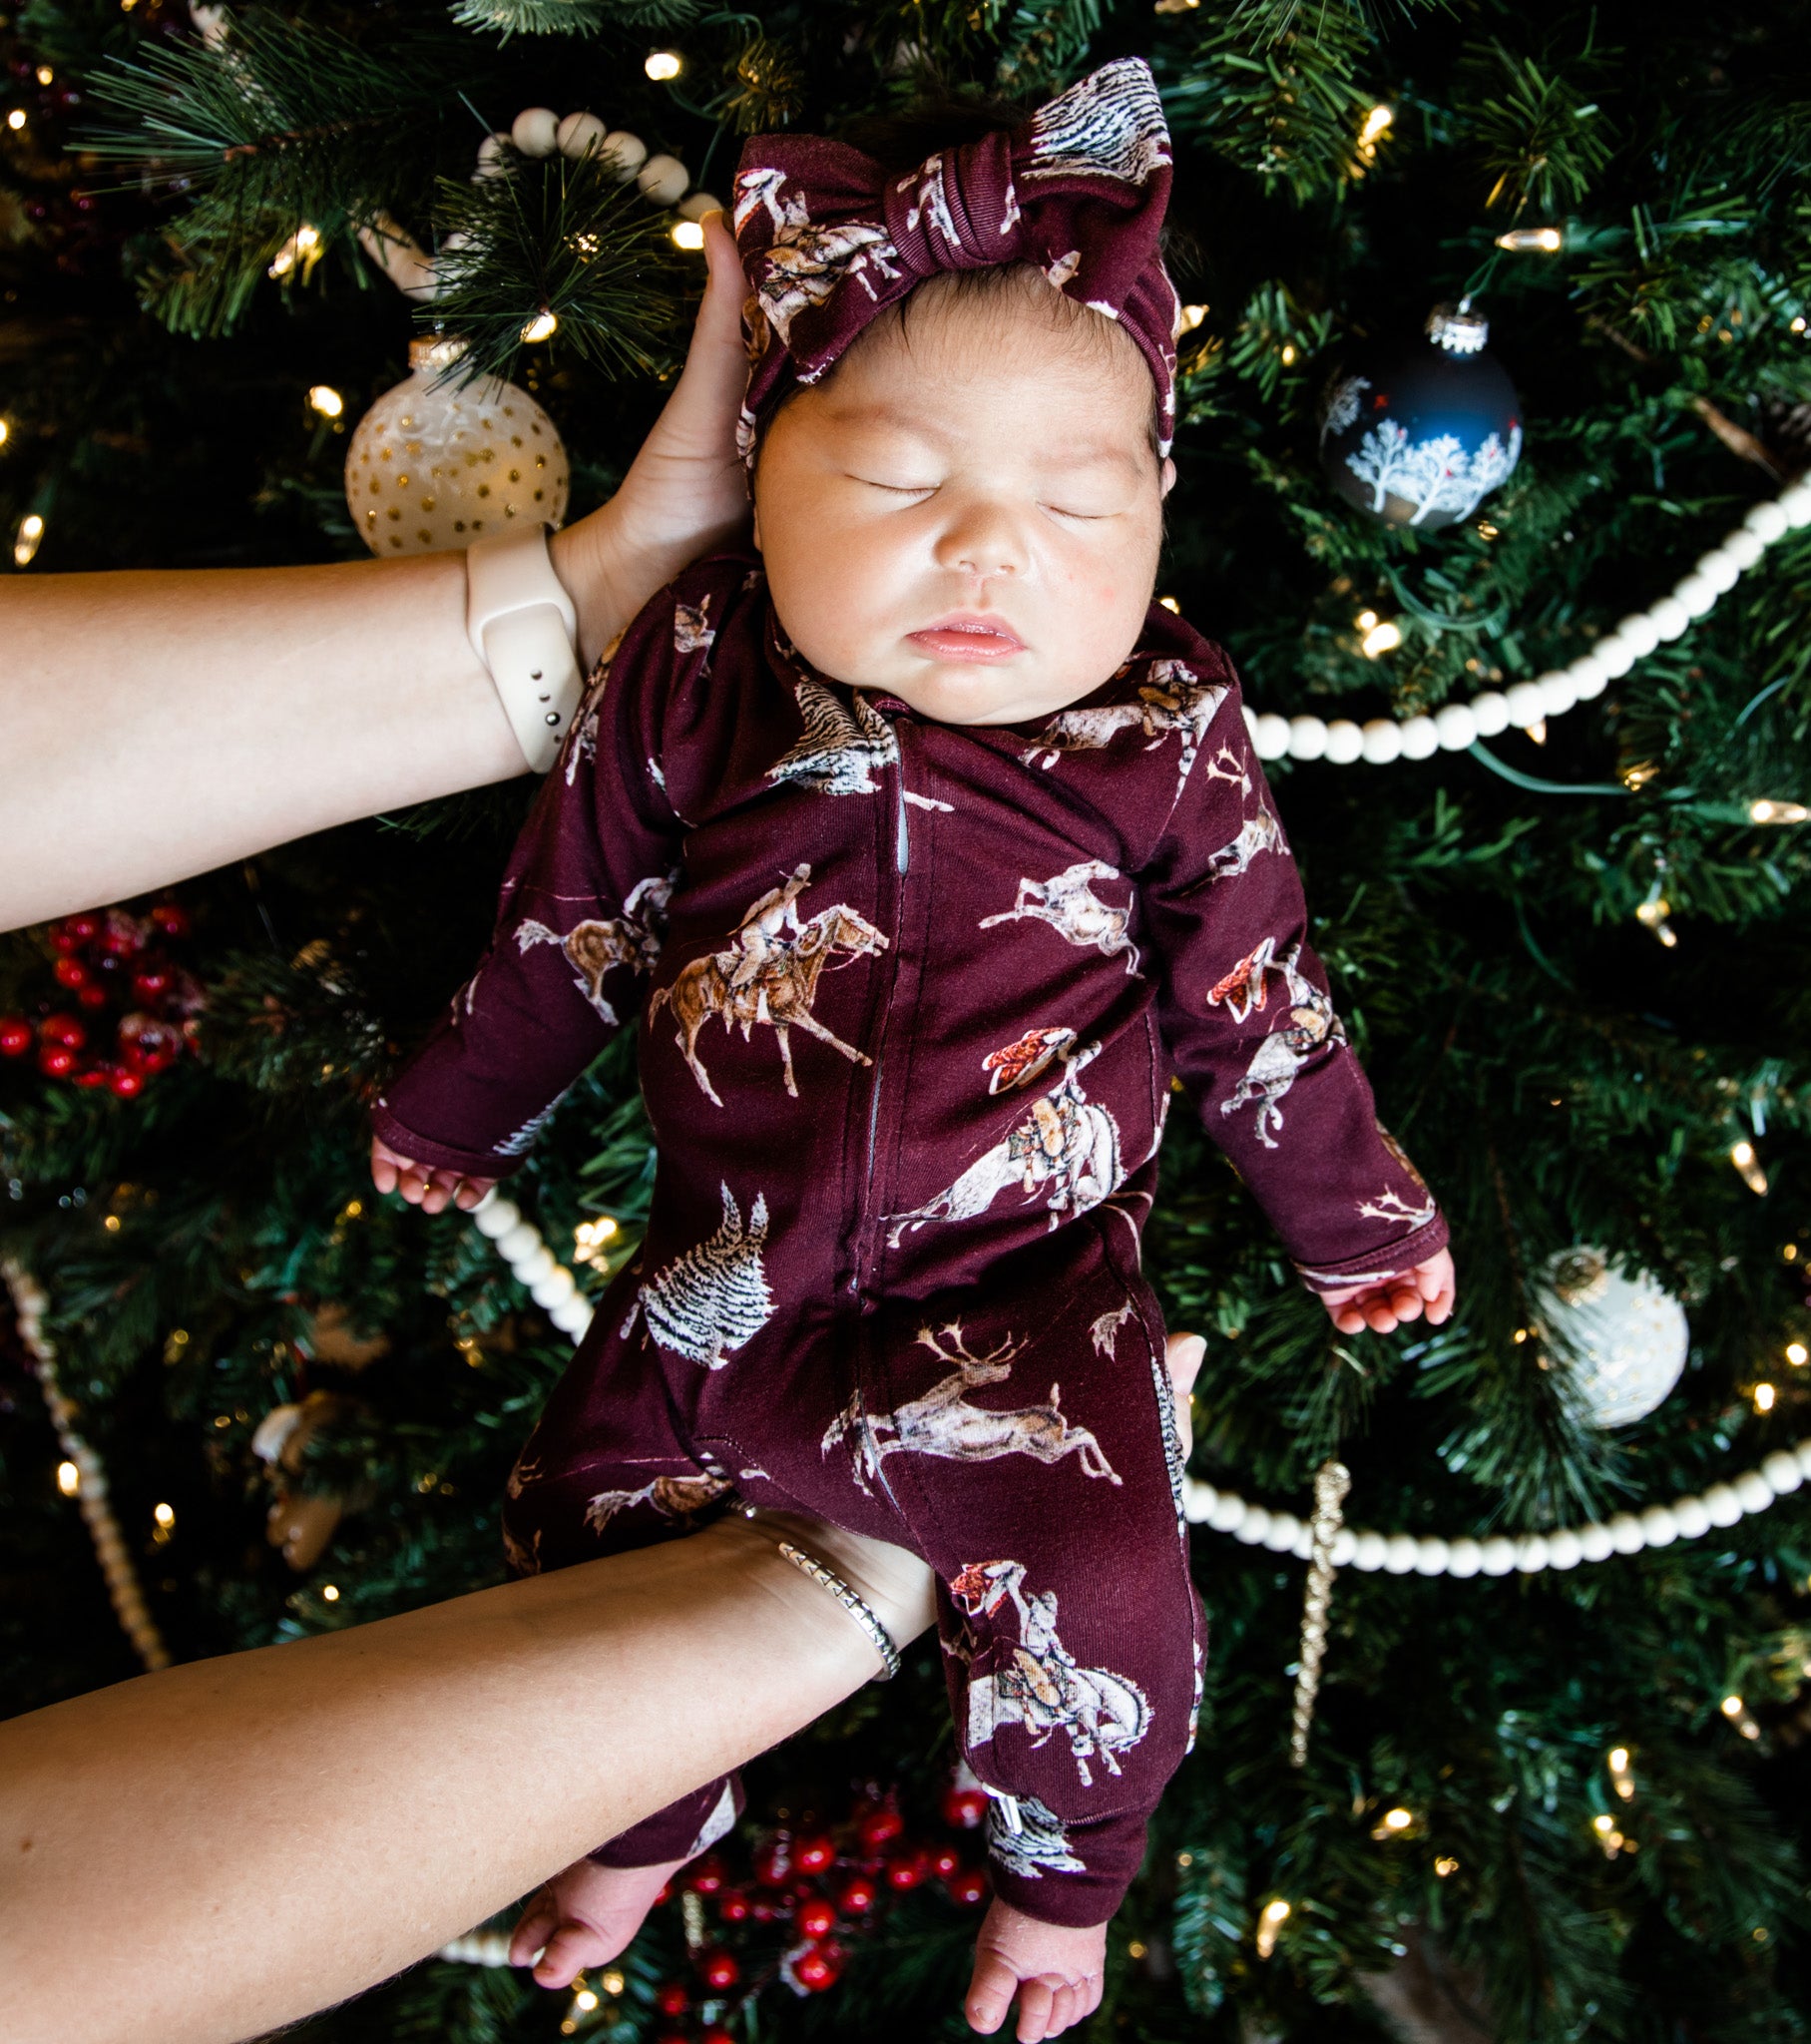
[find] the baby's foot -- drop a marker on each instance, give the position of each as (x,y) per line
(585,1917)
(1055,1973)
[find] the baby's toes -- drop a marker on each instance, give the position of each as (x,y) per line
(990,1993)
(1035,2004)
(572,1948)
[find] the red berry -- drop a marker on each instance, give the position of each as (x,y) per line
(63,1029)
(857,1896)
(16,1036)
(944,1861)
(964,1808)
(152,984)
(671,1999)
(719,1971)
(56,1061)
(90,1076)
(732,1906)
(125,1082)
(879,1826)
(63,939)
(762,1912)
(70,973)
(717,2034)
(123,936)
(905,1869)
(171,919)
(969,1888)
(817,1968)
(772,1860)
(813,1853)
(815,1918)
(83,928)
(92,996)
(705,1876)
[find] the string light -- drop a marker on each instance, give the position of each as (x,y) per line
(1548,241)
(585,1999)
(1376,121)
(1778,813)
(1380,634)
(1742,1156)
(612,1982)
(1289,353)
(1393,1823)
(1652,913)
(330,1591)
(589,1236)
(69,1478)
(1797,1354)
(1538,730)
(1621,1778)
(1799,324)
(688,233)
(45,73)
(5,431)
(662,65)
(1763,1398)
(16,119)
(1731,1706)
(165,1515)
(1192,315)
(1169,602)
(323,399)
(1271,1919)
(1444,1866)
(541,326)
(31,534)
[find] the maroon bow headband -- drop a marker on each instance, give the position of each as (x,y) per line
(829,240)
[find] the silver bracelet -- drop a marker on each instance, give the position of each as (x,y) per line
(878,1636)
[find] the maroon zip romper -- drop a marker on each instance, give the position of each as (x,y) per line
(912,995)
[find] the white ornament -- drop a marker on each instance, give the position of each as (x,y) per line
(1743,547)
(1491,712)
(1637,633)
(1496,1555)
(1252,1525)
(1796,505)
(695,205)
(1280,1534)
(555,1287)
(663,179)
(1696,593)
(1722,1505)
(1753,1491)
(624,153)
(1720,569)
(1523,700)
(530,1269)
(1623,1338)
(1669,618)
(492,162)
(536,130)
(1269,737)
(1767,522)
(521,1239)
(435,465)
(1557,693)
(579,134)
(1419,738)
(495,1216)
(1368,1551)
(1307,737)
(1660,1527)
(1457,727)
(1781,1475)
(1382,740)
(1432,1557)
(1590,677)
(1345,742)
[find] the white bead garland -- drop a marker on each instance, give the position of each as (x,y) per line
(30,1306)
(1455,725)
(548,1282)
(1401,1554)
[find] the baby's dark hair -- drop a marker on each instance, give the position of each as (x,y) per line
(899,142)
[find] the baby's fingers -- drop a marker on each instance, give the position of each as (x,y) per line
(572,1948)
(533,1927)
(990,1993)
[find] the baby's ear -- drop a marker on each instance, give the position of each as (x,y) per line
(1168,478)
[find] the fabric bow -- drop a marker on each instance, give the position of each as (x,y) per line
(829,239)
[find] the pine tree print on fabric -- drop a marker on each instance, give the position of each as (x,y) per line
(838,748)
(714,1297)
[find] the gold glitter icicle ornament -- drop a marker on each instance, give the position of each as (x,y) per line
(1332,1481)
(437,464)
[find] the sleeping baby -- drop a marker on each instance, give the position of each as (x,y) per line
(934,859)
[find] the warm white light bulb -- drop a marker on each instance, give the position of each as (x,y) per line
(1797,1354)
(1397,1819)
(1732,1707)
(1376,121)
(688,235)
(326,400)
(541,326)
(1763,1398)
(1381,639)
(69,1478)
(1618,1759)
(330,1591)
(1191,317)
(165,1515)
(662,65)
(16,119)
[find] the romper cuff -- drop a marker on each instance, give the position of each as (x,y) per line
(1110,1850)
(1376,1264)
(441,1155)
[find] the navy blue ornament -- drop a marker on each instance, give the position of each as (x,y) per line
(1422,438)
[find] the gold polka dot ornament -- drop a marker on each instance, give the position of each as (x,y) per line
(436,464)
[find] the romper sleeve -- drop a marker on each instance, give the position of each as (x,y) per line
(578,922)
(1253,1033)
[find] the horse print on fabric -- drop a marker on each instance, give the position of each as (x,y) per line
(1174,698)
(769,977)
(713,1298)
(839,749)
(674,1497)
(945,1425)
(594,948)
(1066,1152)
(1043,1687)
(691,629)
(1018,1064)
(1312,1024)
(1068,903)
(1258,833)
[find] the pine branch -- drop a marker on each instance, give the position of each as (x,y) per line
(1539,130)
(571,17)
(563,237)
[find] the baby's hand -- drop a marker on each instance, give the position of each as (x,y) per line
(1055,1973)
(1380,1306)
(424,1185)
(585,1917)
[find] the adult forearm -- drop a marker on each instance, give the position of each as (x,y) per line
(210,1851)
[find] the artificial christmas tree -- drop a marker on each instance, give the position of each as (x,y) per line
(1545,765)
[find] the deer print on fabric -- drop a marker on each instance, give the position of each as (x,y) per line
(945,1425)
(591,948)
(713,1298)
(674,1497)
(1043,1687)
(1282,1054)
(769,977)
(1066,1152)
(839,749)
(1174,698)
(1068,903)
(1417,1209)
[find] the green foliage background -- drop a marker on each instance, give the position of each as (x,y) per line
(1558,1074)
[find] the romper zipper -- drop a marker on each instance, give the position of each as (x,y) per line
(902,858)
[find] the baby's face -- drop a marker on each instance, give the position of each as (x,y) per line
(967,513)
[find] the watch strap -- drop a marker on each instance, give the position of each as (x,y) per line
(521,625)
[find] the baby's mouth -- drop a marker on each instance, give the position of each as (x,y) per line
(968,636)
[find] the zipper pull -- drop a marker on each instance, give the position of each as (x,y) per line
(1008,1808)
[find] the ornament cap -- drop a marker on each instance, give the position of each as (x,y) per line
(436,351)
(1457,329)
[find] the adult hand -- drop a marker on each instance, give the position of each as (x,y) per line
(685,493)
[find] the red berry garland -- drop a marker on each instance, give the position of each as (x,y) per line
(140,1004)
